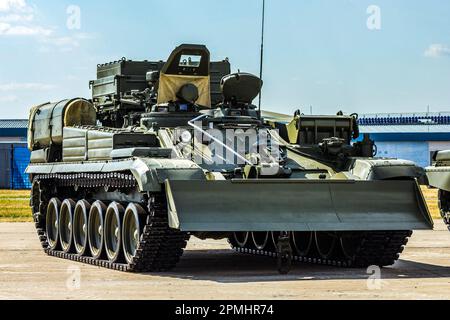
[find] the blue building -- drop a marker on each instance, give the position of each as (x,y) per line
(412,137)
(14,154)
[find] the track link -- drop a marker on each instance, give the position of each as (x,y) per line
(160,248)
(380,248)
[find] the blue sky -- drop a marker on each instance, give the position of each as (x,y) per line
(319,53)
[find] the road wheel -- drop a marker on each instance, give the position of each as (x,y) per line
(95,229)
(302,242)
(260,239)
(80,227)
(351,244)
(325,243)
(241,238)
(65,225)
(113,232)
(52,223)
(132,229)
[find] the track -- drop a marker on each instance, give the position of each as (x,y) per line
(369,248)
(444,206)
(160,248)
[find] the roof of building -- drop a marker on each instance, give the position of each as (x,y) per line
(425,119)
(393,123)
(13,124)
(405,114)
(405,128)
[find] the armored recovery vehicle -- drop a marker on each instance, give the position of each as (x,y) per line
(169,150)
(439,178)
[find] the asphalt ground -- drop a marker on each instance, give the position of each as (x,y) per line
(210,270)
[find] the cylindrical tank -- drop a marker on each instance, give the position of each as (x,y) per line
(47,121)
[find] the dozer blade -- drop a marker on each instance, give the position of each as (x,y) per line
(296,205)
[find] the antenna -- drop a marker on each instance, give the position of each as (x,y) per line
(262,52)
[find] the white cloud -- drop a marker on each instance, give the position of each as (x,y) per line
(71,77)
(437,50)
(17,18)
(10,5)
(65,43)
(16,86)
(9,98)
(7,29)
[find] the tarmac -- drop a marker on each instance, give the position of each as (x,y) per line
(210,270)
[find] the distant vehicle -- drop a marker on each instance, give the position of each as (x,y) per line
(439,178)
(168,150)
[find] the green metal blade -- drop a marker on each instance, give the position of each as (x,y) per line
(296,205)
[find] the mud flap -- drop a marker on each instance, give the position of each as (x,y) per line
(296,205)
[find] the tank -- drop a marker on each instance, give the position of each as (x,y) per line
(439,178)
(169,150)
